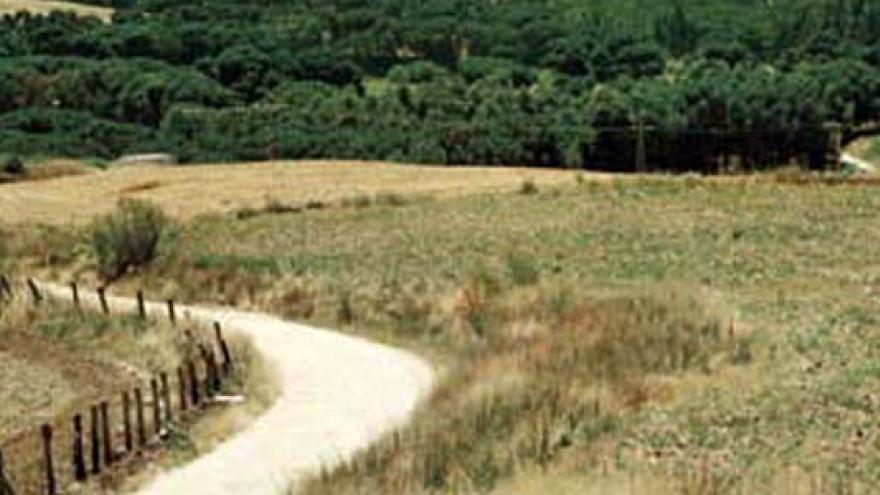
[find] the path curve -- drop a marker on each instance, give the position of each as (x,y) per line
(338,395)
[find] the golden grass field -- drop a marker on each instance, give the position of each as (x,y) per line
(594,334)
(189,191)
(45,6)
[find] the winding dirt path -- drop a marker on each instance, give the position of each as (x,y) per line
(338,395)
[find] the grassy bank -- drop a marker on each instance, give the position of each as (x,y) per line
(679,335)
(58,362)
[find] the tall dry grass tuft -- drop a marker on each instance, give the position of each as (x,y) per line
(524,398)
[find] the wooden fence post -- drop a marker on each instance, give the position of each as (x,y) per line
(166,396)
(96,446)
(105,433)
(213,371)
(49,465)
(79,456)
(641,151)
(209,377)
(171,316)
(216,381)
(74,291)
(157,416)
(126,421)
(102,297)
(5,288)
(224,349)
(139,417)
(5,484)
(193,384)
(181,386)
(142,308)
(35,292)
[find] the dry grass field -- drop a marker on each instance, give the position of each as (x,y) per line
(663,335)
(45,6)
(189,191)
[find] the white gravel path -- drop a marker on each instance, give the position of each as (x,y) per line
(338,395)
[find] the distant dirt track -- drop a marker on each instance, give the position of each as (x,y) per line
(188,191)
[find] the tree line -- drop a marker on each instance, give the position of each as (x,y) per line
(707,83)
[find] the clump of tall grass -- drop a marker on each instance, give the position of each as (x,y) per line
(522,269)
(528,187)
(515,405)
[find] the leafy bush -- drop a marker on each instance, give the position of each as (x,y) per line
(13,165)
(528,187)
(127,238)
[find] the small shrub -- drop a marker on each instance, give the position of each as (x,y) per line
(345,313)
(790,175)
(276,207)
(391,199)
(314,204)
(127,238)
(528,187)
(13,165)
(359,201)
(522,269)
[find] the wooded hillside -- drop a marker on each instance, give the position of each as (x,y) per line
(515,82)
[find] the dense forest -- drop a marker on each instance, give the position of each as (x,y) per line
(708,84)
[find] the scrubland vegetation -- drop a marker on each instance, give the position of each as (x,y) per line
(671,335)
(718,84)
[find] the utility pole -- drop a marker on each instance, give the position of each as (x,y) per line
(835,145)
(641,152)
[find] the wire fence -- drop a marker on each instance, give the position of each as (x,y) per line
(125,424)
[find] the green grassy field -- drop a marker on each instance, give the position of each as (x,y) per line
(664,335)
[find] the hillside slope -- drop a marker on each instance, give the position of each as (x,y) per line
(186,192)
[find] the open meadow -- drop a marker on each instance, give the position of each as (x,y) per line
(676,335)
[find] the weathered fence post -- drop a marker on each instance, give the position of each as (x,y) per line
(79,456)
(224,349)
(166,396)
(216,382)
(96,446)
(49,465)
(193,383)
(126,421)
(5,484)
(171,316)
(139,417)
(102,297)
(209,375)
(181,386)
(35,292)
(106,432)
(5,288)
(142,308)
(157,416)
(74,292)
